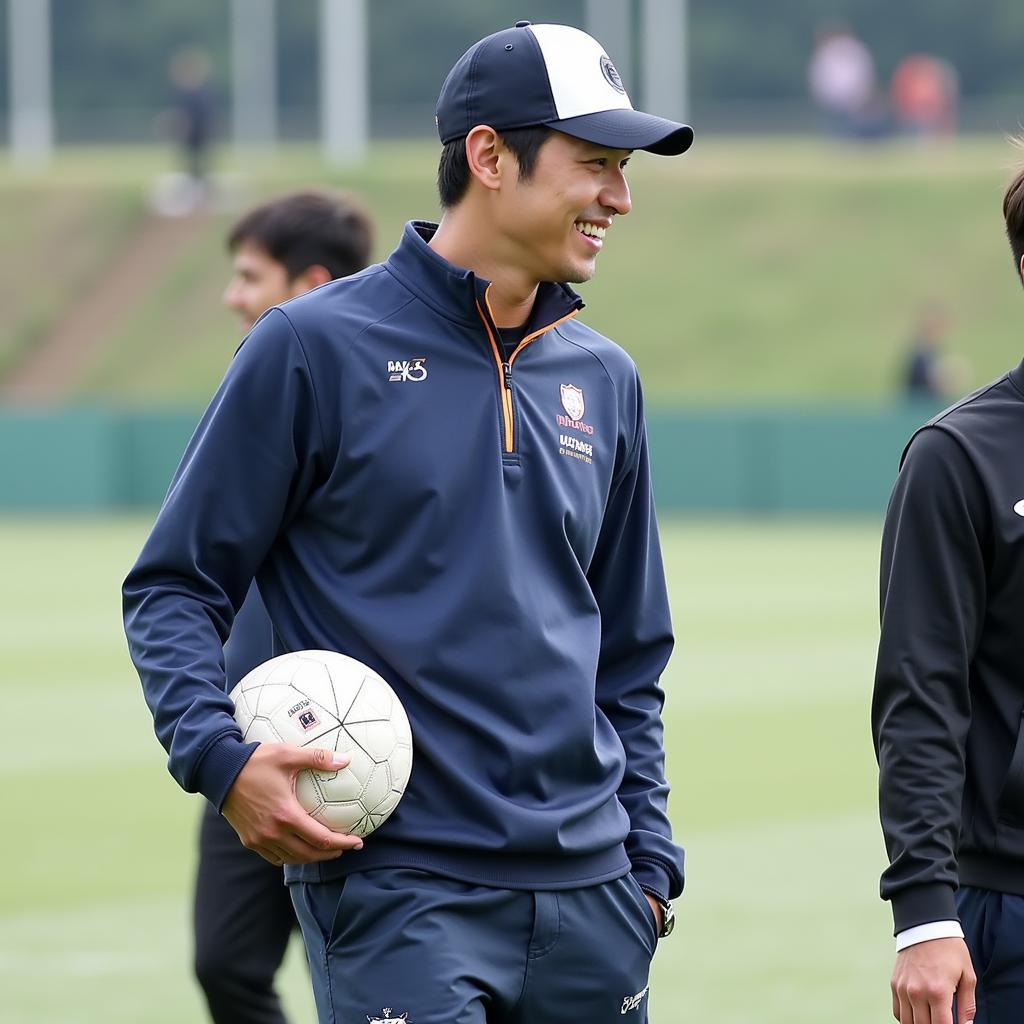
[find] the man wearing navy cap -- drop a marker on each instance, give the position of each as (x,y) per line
(435,468)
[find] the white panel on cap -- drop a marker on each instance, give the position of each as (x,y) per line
(573,60)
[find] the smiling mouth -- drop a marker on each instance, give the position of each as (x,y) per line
(594,231)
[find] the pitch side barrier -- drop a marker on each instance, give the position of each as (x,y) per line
(708,461)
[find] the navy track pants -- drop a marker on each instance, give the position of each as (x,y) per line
(396,941)
(993,924)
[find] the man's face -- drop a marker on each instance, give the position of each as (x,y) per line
(556,220)
(257,283)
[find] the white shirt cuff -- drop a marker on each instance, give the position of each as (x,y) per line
(925,932)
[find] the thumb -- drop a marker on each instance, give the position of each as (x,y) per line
(965,1004)
(319,759)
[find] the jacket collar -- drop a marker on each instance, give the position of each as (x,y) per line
(456,293)
(1017,376)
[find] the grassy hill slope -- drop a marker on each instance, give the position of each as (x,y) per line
(754,270)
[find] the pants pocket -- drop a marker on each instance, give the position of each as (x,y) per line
(318,905)
(646,910)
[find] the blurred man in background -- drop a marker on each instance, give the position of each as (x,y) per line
(948,713)
(243,915)
(290,245)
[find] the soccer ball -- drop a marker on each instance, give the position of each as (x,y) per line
(325,699)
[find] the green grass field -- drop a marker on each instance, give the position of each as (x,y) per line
(774,270)
(769,755)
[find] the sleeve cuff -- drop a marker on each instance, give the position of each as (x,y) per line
(653,879)
(927,932)
(220,766)
(923,904)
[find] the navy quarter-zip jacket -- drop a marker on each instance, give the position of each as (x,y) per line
(478,527)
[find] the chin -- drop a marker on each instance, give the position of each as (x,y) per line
(577,274)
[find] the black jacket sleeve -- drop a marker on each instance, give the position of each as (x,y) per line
(933,602)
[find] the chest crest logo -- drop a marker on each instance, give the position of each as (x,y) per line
(572,401)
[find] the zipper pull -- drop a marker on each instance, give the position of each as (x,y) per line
(506,369)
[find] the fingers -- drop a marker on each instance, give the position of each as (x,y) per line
(905,1012)
(926,977)
(312,838)
(965,997)
(926,1004)
(293,847)
(262,808)
(277,856)
(301,839)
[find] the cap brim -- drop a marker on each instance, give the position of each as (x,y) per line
(628,129)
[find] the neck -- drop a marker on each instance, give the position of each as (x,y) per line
(461,241)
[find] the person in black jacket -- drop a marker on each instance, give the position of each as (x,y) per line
(242,914)
(948,704)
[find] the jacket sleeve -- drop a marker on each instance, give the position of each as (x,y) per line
(253,458)
(932,604)
(628,581)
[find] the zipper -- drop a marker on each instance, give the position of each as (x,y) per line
(504,368)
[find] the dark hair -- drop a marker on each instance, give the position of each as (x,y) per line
(308,229)
(1013,214)
(453,168)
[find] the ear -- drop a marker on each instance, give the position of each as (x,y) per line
(486,156)
(1021,267)
(311,277)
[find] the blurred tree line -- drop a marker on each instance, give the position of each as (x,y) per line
(111,56)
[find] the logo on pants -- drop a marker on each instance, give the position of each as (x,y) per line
(387,1017)
(633,1002)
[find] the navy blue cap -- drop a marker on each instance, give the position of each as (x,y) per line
(551,75)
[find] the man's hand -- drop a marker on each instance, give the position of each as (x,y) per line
(659,911)
(261,807)
(925,979)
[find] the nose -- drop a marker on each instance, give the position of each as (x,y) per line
(232,296)
(615,195)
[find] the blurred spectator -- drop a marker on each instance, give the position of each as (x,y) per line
(243,916)
(193,109)
(924,92)
(841,77)
(931,373)
(190,122)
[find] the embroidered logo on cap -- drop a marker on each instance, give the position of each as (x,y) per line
(611,74)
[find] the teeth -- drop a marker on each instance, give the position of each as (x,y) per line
(586,228)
